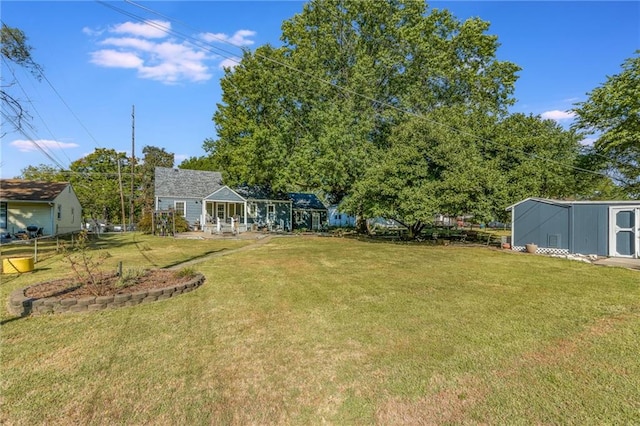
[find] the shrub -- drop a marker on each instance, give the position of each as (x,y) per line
(85,266)
(186,272)
(129,277)
(145,223)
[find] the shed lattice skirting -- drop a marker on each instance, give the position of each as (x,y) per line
(542,250)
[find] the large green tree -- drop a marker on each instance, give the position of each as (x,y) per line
(152,157)
(96,180)
(317,112)
(457,162)
(612,111)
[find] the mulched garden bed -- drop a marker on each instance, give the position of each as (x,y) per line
(68,288)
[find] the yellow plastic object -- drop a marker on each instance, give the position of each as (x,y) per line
(17,265)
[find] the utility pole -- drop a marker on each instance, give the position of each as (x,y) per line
(133,161)
(124,225)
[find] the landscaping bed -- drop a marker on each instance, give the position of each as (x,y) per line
(66,295)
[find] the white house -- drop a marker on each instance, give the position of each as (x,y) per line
(49,208)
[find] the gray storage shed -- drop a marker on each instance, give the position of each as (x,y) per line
(604,228)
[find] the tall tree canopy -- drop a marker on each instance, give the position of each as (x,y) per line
(613,111)
(44,173)
(95,180)
(317,112)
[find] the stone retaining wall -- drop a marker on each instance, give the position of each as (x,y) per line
(21,305)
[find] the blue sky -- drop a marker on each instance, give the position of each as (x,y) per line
(99,62)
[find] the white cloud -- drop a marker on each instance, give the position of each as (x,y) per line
(229,63)
(28,146)
(130,42)
(180,157)
(116,59)
(91,32)
(239,38)
(147,29)
(138,46)
(558,115)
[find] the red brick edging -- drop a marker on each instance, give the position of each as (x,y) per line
(21,305)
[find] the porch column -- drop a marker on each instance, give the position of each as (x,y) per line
(245,215)
(203,214)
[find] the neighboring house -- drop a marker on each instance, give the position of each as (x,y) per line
(51,208)
(340,219)
(603,228)
(308,211)
(201,198)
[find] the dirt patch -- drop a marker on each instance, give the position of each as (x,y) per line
(70,288)
(449,405)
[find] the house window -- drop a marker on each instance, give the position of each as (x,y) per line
(236,209)
(298,216)
(180,208)
(338,217)
(271,213)
(59,211)
(251,209)
(3,216)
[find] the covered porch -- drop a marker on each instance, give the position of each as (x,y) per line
(224,211)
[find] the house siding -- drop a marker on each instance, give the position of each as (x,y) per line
(193,207)
(20,215)
(540,223)
(282,214)
(338,218)
(590,229)
(225,194)
(306,221)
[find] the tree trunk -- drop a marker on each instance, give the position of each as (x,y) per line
(361,225)
(415,229)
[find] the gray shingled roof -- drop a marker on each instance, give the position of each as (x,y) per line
(260,193)
(306,201)
(186,183)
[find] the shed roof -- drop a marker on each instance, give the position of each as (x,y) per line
(29,190)
(568,203)
(186,183)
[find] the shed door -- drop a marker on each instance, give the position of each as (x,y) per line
(624,228)
(315,221)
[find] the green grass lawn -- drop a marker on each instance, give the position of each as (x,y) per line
(308,330)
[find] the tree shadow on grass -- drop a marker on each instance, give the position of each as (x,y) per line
(195,258)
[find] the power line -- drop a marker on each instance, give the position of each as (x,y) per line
(32,106)
(191,40)
(31,139)
(39,72)
(357,94)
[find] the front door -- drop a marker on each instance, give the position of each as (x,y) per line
(315,221)
(624,229)
(220,211)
